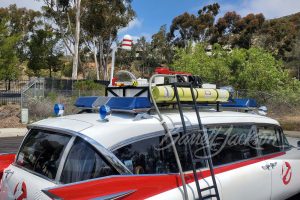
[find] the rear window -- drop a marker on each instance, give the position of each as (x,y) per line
(41,152)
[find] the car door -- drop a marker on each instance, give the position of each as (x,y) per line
(36,166)
(154,157)
(285,167)
(243,174)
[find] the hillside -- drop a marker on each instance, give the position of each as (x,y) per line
(290,25)
(293,61)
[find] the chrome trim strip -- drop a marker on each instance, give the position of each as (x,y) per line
(25,136)
(35,173)
(176,131)
(63,158)
(3,154)
(115,196)
(136,139)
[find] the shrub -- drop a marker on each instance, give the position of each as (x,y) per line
(88,87)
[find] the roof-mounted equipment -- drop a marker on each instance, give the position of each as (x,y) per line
(120,104)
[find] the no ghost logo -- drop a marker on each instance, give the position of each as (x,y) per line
(286,173)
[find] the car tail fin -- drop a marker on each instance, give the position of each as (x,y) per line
(5,161)
(103,188)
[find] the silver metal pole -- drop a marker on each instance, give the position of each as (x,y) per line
(113,59)
(167,130)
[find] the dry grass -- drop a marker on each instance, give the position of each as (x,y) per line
(10,116)
(289,117)
(291,123)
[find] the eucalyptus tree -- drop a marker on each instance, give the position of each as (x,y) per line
(196,28)
(101,23)
(44,51)
(21,22)
(161,46)
(9,62)
(66,16)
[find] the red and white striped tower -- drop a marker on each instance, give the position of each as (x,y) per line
(127,42)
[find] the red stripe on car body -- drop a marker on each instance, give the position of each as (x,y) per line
(144,185)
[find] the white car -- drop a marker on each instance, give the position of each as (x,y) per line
(128,157)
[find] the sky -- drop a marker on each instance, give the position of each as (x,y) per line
(152,14)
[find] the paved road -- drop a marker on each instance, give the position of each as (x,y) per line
(10,144)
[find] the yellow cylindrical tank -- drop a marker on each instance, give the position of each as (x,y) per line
(166,94)
(163,93)
(185,94)
(206,95)
(223,95)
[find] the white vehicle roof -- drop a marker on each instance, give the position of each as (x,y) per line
(122,126)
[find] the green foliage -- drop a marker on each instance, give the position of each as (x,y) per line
(253,69)
(143,57)
(88,85)
(190,27)
(101,22)
(21,22)
(277,36)
(161,47)
(67,69)
(9,62)
(52,96)
(260,72)
(212,68)
(44,53)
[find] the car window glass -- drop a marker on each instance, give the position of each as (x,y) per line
(269,139)
(232,143)
(155,156)
(41,152)
(83,163)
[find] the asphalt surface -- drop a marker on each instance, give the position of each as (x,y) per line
(11,145)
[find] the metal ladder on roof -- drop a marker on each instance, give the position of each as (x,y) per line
(206,149)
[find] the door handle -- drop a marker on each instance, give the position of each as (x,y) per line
(266,167)
(8,172)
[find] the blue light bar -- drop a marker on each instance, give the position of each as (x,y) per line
(85,102)
(124,104)
(240,103)
(135,104)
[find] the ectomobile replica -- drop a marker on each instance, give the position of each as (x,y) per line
(145,150)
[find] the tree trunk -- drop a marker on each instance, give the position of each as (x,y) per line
(95,58)
(101,56)
(50,71)
(299,73)
(6,88)
(82,68)
(76,46)
(106,59)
